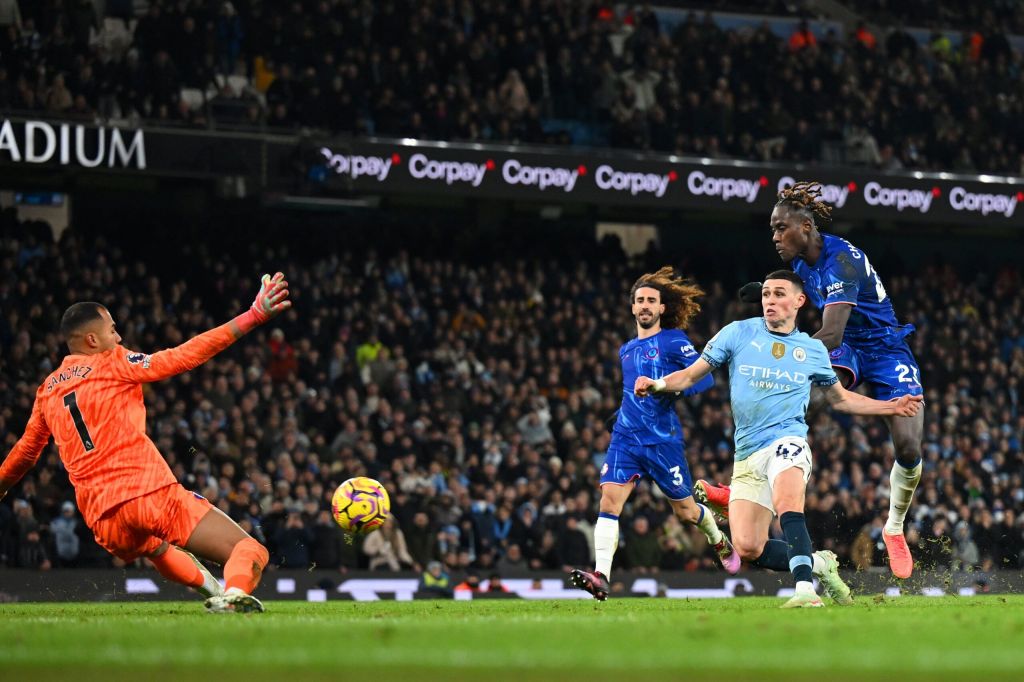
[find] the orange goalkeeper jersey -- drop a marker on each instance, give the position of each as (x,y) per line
(93,407)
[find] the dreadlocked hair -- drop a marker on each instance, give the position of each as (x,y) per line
(805,197)
(678,295)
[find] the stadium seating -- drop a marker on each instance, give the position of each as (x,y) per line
(477,392)
(655,80)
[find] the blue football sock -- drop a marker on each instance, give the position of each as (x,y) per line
(774,556)
(799,540)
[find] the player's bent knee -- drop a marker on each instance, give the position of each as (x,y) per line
(252,550)
(747,549)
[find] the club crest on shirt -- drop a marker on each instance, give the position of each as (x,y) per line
(799,354)
(651,353)
(835,353)
(778,350)
(139,359)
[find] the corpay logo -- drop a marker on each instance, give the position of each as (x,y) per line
(607,177)
(962,200)
(450,171)
(833,194)
(876,195)
(543,177)
(357,166)
(727,188)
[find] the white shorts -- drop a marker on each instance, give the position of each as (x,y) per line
(752,478)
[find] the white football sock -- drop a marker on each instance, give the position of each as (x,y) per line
(817,564)
(606,540)
(708,526)
(804,586)
(902,483)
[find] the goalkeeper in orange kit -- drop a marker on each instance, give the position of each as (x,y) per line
(92,405)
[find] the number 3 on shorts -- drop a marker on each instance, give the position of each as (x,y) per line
(677,478)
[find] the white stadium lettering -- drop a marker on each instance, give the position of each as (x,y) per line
(421,167)
(877,195)
(356,166)
(962,200)
(700,184)
(42,142)
(515,173)
(607,177)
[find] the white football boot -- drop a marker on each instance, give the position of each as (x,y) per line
(234,601)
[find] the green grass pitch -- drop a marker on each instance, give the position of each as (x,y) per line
(905,638)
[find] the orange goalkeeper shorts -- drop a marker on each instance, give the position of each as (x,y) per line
(138,527)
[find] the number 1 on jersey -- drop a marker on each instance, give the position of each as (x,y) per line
(71,402)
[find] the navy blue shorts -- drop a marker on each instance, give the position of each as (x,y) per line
(890,370)
(662,463)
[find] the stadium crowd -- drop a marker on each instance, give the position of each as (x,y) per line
(533,71)
(478,394)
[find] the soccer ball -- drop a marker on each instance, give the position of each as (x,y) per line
(360,505)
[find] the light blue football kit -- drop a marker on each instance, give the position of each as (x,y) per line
(770,378)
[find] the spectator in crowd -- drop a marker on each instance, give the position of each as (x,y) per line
(441,427)
(65,531)
(435,580)
(556,75)
(642,552)
(386,548)
(470,584)
(494,584)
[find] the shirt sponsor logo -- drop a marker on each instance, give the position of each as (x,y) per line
(687,349)
(962,200)
(726,188)
(542,177)
(422,167)
(772,378)
(607,178)
(356,166)
(877,195)
(834,288)
(833,194)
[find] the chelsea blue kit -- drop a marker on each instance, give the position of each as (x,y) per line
(647,439)
(874,347)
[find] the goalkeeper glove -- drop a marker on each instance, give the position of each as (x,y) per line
(750,292)
(271,300)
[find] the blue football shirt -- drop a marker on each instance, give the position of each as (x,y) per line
(843,275)
(653,420)
(770,377)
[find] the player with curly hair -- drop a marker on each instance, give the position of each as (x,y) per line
(866,342)
(647,439)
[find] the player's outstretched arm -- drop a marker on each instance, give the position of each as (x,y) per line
(271,301)
(855,403)
(833,324)
(25,452)
(675,382)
